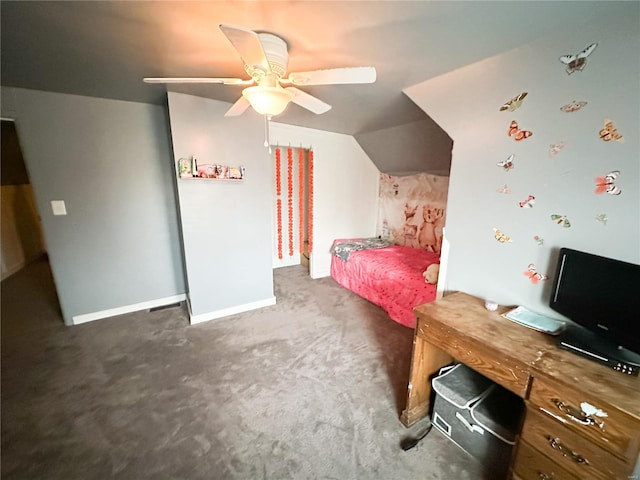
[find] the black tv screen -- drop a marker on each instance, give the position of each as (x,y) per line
(600,294)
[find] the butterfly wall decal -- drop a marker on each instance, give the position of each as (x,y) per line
(504,189)
(577,62)
(555,148)
(533,275)
(561,220)
(514,103)
(501,237)
(508,163)
(517,134)
(602,218)
(574,106)
(609,132)
(607,184)
(528,203)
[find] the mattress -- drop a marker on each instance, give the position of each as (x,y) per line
(390,277)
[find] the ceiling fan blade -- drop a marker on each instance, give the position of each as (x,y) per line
(333,76)
(248,45)
(224,81)
(308,101)
(238,108)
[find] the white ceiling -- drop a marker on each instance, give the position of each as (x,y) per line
(104,49)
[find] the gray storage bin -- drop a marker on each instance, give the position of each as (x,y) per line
(478,415)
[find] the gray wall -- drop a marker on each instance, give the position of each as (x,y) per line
(226,225)
(110,162)
(420,146)
(466,103)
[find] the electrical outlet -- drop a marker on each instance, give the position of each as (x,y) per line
(58,207)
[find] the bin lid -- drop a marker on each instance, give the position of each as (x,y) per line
(461,386)
(499,412)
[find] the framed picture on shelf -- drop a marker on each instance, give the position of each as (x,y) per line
(185,167)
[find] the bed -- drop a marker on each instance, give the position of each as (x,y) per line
(387,275)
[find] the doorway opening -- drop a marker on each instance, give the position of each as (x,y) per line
(26,274)
(293,207)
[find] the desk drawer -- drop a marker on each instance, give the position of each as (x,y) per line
(532,465)
(570,451)
(500,366)
(611,429)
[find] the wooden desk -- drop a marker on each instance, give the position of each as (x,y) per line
(554,384)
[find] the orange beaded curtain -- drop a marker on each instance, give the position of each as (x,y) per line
(290,198)
(302,180)
(279,203)
(310,197)
(301,199)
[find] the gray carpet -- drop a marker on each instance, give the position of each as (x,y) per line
(310,388)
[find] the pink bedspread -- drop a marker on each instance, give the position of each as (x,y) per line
(389,277)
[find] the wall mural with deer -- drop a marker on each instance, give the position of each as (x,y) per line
(412,210)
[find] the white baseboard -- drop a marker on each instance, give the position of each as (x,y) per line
(8,271)
(320,273)
(90,317)
(225,312)
(22,263)
(286,261)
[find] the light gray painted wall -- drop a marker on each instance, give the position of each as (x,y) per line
(226,225)
(110,162)
(420,146)
(466,103)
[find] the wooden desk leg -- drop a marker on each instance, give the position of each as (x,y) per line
(426,361)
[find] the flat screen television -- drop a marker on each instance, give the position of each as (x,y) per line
(601,296)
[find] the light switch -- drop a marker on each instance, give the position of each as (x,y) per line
(58,207)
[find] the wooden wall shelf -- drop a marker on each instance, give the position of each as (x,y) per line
(186,167)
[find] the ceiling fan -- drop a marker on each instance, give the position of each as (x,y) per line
(265,57)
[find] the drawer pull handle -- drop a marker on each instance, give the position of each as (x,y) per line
(544,476)
(577,414)
(566,451)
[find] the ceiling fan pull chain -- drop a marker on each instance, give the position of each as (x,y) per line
(267,141)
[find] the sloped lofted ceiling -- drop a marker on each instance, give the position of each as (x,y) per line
(105,48)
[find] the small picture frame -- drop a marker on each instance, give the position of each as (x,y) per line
(236,173)
(185,166)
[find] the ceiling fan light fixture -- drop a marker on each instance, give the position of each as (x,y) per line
(268,100)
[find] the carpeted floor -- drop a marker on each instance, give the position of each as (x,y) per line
(310,388)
